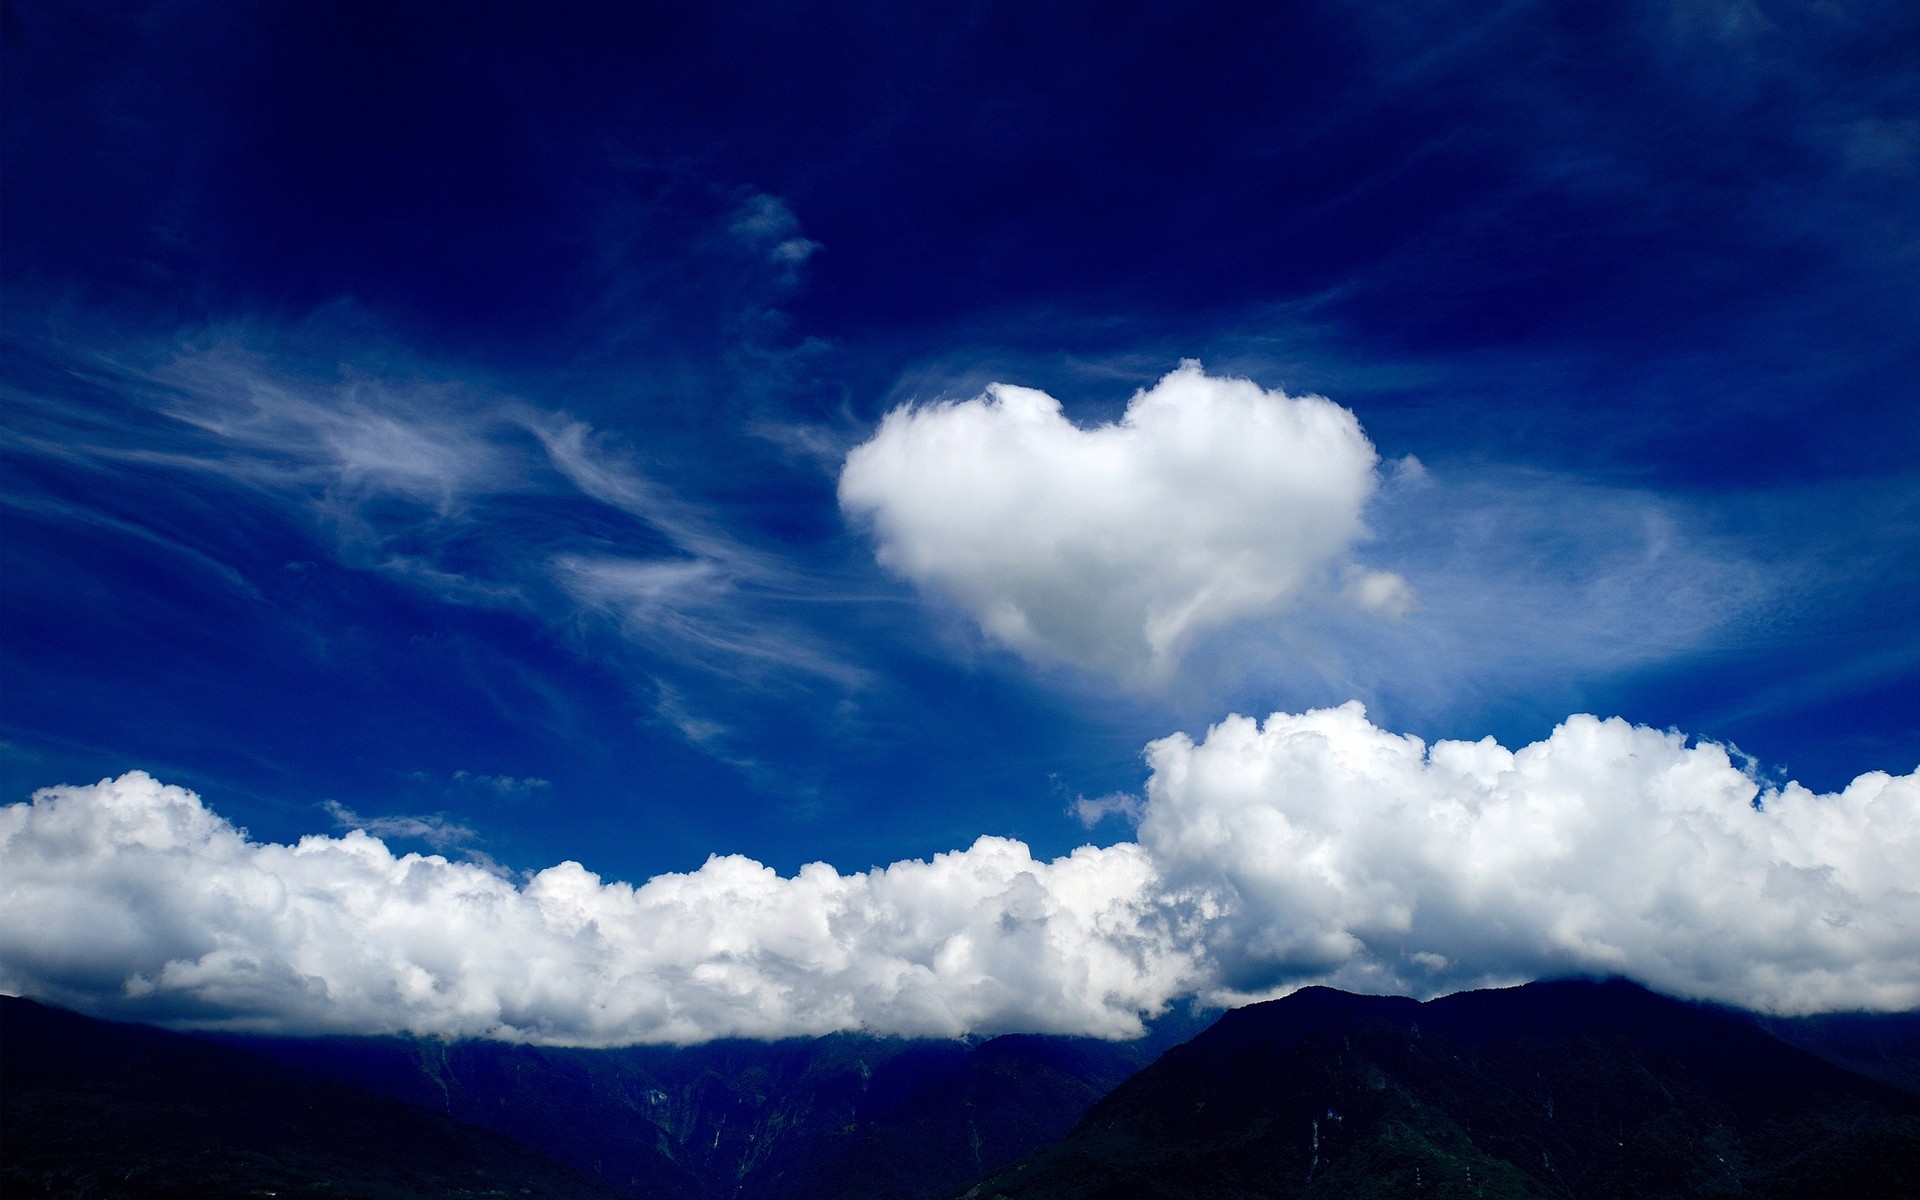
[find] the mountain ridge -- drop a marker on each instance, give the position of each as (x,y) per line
(110,1110)
(1553,1089)
(1560,1088)
(844,1116)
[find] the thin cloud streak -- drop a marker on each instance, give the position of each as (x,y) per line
(435,829)
(407,477)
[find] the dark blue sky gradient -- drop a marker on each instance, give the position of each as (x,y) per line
(1637,283)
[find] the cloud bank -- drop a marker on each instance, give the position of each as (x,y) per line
(1211,501)
(130,897)
(1331,849)
(1309,848)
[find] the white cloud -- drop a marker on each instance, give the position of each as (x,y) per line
(1308,848)
(1211,501)
(502,785)
(1525,587)
(766,223)
(578,453)
(702,612)
(1091,810)
(130,896)
(347,438)
(435,829)
(1335,851)
(461,491)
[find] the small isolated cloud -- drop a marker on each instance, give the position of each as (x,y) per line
(435,829)
(1379,592)
(670,706)
(765,223)
(1308,848)
(1114,548)
(1090,811)
(503,785)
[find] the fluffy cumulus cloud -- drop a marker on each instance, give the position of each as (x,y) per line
(1331,850)
(1308,848)
(129,896)
(1210,501)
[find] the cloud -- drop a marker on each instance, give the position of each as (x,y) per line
(1114,548)
(1309,848)
(578,453)
(1524,583)
(502,785)
(1334,851)
(435,829)
(130,896)
(349,438)
(465,493)
(767,224)
(1091,810)
(702,613)
(712,604)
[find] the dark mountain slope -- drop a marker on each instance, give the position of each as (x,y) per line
(1883,1046)
(847,1117)
(1550,1090)
(1006,1098)
(102,1110)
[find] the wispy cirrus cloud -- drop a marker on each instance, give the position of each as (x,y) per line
(470,494)
(1525,577)
(435,829)
(503,785)
(768,225)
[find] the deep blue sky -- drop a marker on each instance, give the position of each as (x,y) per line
(292,291)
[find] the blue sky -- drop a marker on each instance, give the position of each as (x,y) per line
(434,420)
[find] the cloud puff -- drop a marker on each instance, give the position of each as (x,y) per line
(1331,850)
(1113,548)
(130,896)
(1311,848)
(767,224)
(435,829)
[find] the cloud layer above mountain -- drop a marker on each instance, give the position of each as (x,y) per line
(1308,848)
(1335,850)
(133,895)
(1212,500)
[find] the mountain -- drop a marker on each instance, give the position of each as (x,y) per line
(1883,1046)
(845,1117)
(1549,1090)
(106,1111)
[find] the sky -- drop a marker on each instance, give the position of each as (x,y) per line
(662,521)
